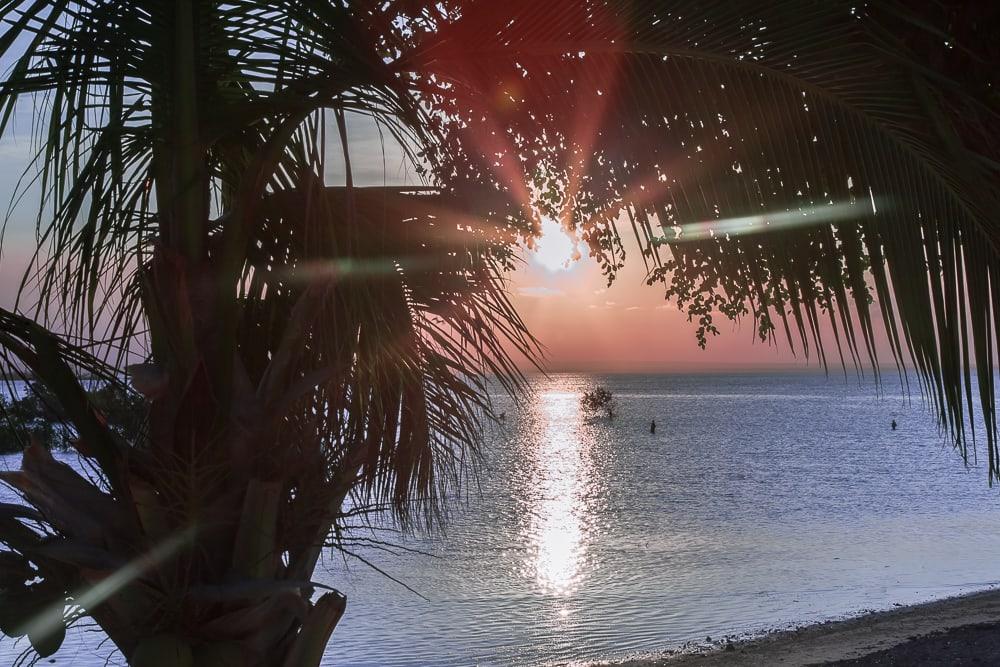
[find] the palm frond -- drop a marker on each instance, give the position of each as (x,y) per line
(423,318)
(111,160)
(708,124)
(308,347)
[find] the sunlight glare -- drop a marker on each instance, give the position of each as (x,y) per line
(555,249)
(769,222)
(560,527)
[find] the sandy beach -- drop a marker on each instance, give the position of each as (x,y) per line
(963,630)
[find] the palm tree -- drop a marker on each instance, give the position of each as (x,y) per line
(311,352)
(791,161)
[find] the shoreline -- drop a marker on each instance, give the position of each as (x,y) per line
(963,629)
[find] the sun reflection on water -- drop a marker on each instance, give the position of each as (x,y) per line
(560,524)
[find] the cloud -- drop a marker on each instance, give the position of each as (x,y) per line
(609,303)
(599,292)
(666,306)
(539,292)
(632,308)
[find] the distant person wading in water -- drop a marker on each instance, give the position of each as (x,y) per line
(652,426)
(893,424)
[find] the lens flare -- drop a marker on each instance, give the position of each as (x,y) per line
(775,221)
(89,597)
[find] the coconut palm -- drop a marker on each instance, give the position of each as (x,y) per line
(311,352)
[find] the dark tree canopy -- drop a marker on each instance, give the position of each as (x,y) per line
(598,399)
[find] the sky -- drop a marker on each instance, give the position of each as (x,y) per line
(627,327)
(583,324)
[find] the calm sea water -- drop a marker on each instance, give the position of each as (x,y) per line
(761,501)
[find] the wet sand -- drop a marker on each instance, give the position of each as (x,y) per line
(962,630)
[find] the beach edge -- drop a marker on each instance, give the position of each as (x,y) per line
(849,639)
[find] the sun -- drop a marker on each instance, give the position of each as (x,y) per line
(555,249)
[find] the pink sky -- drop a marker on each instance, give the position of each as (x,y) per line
(583,324)
(628,327)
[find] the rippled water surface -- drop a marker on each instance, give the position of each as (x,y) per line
(762,500)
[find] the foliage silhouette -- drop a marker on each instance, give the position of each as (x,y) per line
(599,399)
(36,416)
(308,352)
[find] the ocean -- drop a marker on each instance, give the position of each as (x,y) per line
(762,501)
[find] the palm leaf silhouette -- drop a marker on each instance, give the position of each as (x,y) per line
(783,160)
(312,352)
